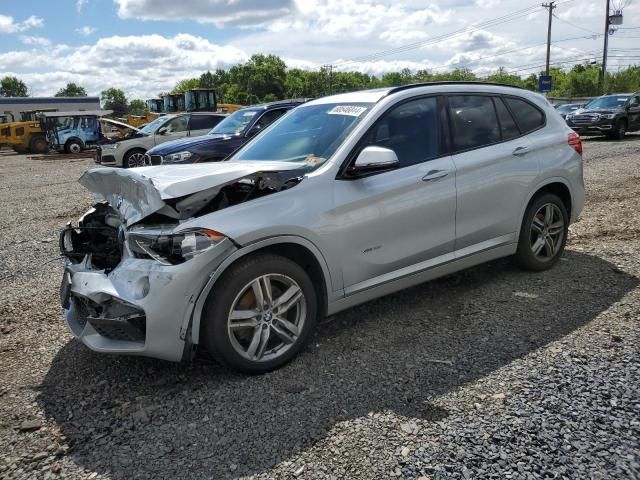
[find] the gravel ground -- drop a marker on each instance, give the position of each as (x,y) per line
(490,373)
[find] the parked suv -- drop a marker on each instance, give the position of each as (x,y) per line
(612,115)
(225,138)
(345,199)
(129,150)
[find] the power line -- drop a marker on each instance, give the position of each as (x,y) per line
(574,25)
(412,46)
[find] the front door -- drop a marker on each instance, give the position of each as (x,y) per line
(634,113)
(394,223)
(173,129)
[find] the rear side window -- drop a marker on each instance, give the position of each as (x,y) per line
(528,117)
(507,125)
(411,130)
(474,121)
(204,122)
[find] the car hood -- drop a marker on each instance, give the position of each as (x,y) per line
(139,192)
(600,111)
(186,143)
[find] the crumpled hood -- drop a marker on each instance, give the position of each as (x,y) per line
(186,143)
(139,192)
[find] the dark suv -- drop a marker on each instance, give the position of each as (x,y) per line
(225,138)
(613,115)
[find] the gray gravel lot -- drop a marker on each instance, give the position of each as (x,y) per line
(490,373)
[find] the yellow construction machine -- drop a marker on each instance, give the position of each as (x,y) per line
(25,136)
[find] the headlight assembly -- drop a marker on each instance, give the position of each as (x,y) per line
(608,115)
(173,248)
(178,157)
(109,146)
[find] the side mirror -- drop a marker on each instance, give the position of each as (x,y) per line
(374,159)
(162,131)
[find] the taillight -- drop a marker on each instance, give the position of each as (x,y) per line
(575,142)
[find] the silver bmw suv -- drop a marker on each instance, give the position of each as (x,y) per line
(342,200)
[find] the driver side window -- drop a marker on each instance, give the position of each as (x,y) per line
(176,125)
(411,130)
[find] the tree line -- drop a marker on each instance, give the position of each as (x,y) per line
(265,78)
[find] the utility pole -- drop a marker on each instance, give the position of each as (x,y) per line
(549,6)
(603,71)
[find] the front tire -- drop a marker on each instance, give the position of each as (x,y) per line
(620,131)
(543,234)
(134,158)
(260,314)
(73,146)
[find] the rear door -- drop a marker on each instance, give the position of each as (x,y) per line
(495,162)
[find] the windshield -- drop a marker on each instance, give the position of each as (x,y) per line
(151,127)
(613,101)
(309,134)
(234,124)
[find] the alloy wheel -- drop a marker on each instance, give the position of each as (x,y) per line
(267,317)
(136,160)
(547,232)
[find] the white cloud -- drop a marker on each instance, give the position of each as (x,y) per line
(35,41)
(9,25)
(141,65)
(86,30)
(80,5)
(218,12)
(308,34)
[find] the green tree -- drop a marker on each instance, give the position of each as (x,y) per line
(72,90)
(187,84)
(12,87)
(115,99)
(503,76)
(137,107)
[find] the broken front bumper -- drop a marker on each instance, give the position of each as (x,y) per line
(139,308)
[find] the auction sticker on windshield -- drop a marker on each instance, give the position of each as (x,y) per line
(352,110)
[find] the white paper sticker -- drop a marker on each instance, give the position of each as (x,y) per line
(352,110)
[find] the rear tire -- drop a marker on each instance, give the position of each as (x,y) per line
(38,144)
(543,234)
(254,336)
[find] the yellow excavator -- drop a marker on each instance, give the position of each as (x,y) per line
(25,136)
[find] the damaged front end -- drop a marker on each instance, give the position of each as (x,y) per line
(129,284)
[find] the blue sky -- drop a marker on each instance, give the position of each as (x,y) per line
(147,46)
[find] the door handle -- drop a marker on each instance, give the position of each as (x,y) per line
(433,175)
(520,151)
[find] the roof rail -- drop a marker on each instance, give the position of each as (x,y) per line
(455,82)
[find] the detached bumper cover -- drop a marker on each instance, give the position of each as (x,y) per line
(139,308)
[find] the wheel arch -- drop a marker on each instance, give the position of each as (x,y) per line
(298,249)
(558,186)
(129,150)
(75,139)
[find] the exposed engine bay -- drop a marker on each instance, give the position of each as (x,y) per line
(99,238)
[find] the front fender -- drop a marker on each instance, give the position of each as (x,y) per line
(196,316)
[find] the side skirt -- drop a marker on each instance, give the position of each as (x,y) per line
(422,276)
